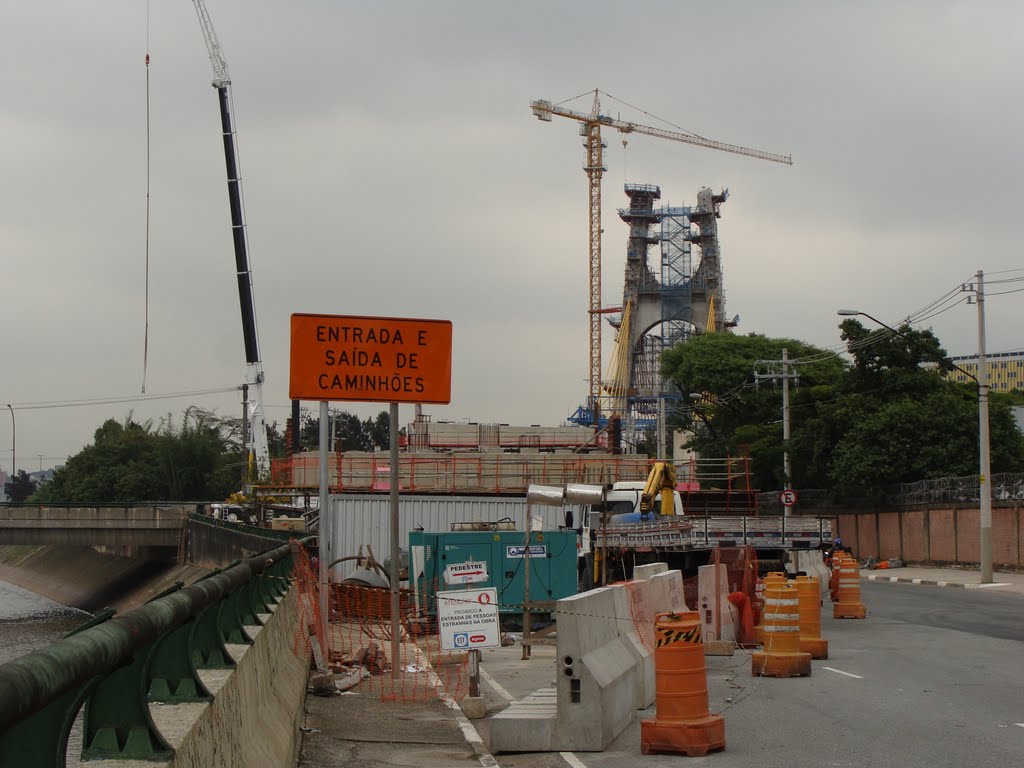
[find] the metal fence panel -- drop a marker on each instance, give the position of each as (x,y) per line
(365,519)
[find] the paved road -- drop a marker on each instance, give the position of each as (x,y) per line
(932,678)
(979,612)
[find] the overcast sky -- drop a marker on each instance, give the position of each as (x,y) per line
(392,167)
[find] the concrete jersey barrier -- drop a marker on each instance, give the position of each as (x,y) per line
(604,671)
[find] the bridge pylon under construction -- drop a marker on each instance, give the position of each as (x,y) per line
(662,304)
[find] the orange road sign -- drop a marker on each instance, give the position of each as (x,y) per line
(370,359)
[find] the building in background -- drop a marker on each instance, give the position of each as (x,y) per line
(1005,370)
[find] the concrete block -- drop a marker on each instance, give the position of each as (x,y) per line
(474,707)
(669,586)
(644,572)
(527,725)
(713,604)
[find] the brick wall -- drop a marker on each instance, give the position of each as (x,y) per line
(934,535)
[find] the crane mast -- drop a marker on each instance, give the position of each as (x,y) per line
(258,446)
(590,129)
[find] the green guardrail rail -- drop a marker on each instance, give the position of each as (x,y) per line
(115,665)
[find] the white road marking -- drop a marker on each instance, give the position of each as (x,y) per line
(496,686)
(893,579)
(839,671)
(1020,724)
(572,760)
(915,581)
(985,586)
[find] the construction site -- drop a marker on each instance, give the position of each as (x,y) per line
(673,289)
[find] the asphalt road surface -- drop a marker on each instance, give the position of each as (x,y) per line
(934,677)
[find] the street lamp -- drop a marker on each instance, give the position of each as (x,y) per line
(985,458)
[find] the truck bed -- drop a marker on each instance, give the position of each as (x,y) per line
(680,534)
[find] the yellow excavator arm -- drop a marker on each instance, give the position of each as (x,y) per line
(662,478)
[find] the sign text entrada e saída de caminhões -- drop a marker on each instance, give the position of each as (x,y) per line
(370,359)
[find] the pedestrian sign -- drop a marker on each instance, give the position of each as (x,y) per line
(465,573)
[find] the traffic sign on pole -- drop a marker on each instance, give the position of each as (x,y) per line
(787,497)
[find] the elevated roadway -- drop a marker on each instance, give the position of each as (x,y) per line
(150,525)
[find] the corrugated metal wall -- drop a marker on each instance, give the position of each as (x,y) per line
(366,519)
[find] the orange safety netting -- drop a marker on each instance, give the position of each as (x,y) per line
(360,647)
(308,595)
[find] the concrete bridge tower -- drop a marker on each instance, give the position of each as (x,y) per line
(661,310)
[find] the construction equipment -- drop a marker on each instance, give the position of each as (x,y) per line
(257,444)
(590,129)
(660,482)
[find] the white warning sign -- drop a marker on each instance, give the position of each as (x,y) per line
(468,619)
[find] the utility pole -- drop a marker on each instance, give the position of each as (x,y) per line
(773,375)
(985,457)
(786,466)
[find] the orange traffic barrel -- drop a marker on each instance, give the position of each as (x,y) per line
(775,577)
(781,656)
(848,604)
(809,596)
(683,724)
(833,578)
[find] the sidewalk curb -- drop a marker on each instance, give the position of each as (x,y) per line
(930,582)
(469,732)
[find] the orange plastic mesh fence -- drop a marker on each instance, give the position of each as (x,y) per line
(361,637)
(642,614)
(309,624)
(358,643)
(690,592)
(740,568)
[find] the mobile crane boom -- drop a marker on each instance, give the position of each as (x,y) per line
(259,449)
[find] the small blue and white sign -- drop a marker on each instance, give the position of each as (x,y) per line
(462,639)
(536,550)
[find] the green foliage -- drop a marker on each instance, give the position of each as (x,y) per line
(129,461)
(887,417)
(350,434)
(733,416)
(20,487)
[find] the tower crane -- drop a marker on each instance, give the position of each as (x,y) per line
(258,446)
(590,129)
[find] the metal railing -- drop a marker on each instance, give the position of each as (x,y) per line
(114,666)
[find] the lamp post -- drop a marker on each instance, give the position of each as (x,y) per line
(985,458)
(14,442)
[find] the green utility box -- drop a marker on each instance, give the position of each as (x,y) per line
(552,564)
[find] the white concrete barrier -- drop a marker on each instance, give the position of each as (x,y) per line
(812,563)
(604,670)
(713,605)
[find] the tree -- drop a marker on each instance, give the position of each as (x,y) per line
(20,487)
(350,434)
(887,417)
(733,416)
(197,459)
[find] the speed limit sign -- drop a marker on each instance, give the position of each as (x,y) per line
(788,498)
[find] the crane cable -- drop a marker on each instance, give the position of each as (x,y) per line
(145,338)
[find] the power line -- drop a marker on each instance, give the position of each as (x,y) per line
(114,400)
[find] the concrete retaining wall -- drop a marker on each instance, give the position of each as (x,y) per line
(254,718)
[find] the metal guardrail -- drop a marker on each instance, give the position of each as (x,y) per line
(114,666)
